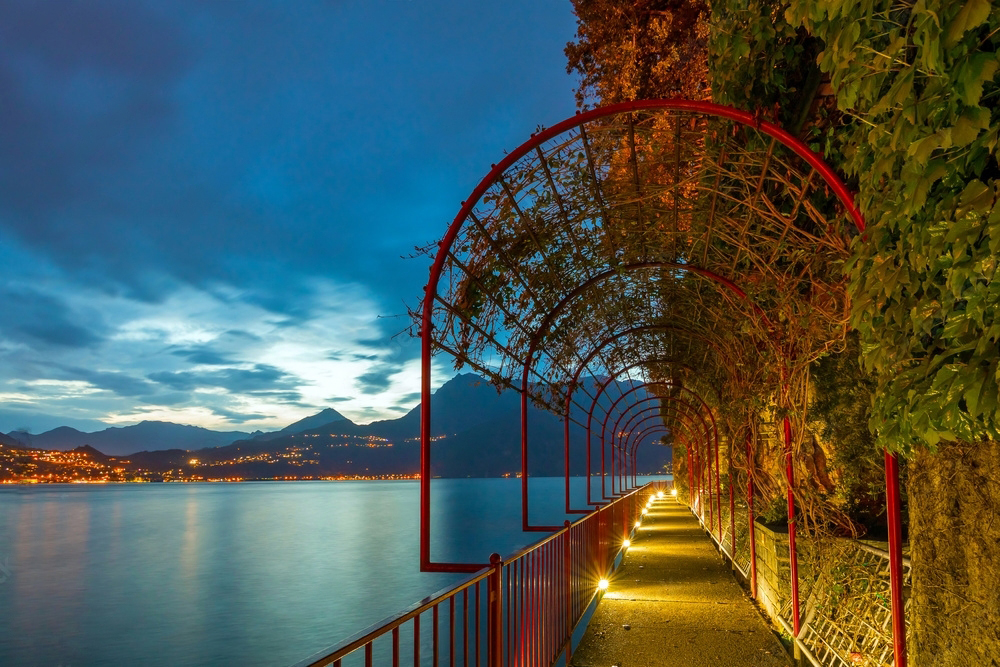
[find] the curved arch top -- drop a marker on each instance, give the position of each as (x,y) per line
(635,216)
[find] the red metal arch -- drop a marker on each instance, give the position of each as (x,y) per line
(707,408)
(744,118)
(741,117)
(594,404)
(709,431)
(546,322)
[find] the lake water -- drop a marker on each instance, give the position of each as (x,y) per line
(263,573)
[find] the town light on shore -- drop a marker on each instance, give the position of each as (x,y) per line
(602,585)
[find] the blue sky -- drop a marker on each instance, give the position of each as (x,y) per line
(203,205)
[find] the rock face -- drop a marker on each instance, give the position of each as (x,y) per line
(954,504)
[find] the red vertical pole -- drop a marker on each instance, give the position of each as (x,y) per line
(614,437)
(524,460)
(750,521)
(732,506)
(793,558)
(690,468)
(495,629)
(708,482)
(893,512)
(634,482)
(590,416)
(425,437)
(718,487)
(568,578)
(603,494)
(566,448)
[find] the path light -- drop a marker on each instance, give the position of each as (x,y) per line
(602,585)
(659,494)
(626,544)
(673,492)
(645,511)
(638,523)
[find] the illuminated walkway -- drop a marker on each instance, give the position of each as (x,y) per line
(673,603)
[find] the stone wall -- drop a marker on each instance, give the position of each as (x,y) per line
(773,581)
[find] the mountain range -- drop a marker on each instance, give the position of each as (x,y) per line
(476,429)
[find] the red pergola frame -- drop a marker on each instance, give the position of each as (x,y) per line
(831,179)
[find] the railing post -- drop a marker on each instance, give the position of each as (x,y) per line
(494,632)
(732,505)
(895,558)
(750,521)
(568,569)
(793,556)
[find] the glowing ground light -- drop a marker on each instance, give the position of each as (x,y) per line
(602,585)
(673,492)
(659,494)
(645,511)
(638,523)
(626,544)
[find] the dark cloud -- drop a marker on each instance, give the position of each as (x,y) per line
(287,397)
(339,399)
(85,84)
(122,384)
(204,356)
(409,399)
(262,377)
(378,379)
(240,417)
(251,153)
(239,380)
(371,342)
(43,320)
(169,398)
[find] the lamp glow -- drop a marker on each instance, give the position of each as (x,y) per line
(638,523)
(645,511)
(659,494)
(673,492)
(602,585)
(627,543)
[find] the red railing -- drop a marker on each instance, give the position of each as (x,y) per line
(519,612)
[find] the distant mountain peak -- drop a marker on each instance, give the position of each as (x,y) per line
(322,418)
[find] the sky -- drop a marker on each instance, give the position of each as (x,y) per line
(205,205)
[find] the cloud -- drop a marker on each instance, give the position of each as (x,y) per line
(204,356)
(113,381)
(378,379)
(193,209)
(237,380)
(409,399)
(39,319)
(234,417)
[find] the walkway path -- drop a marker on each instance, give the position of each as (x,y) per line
(673,603)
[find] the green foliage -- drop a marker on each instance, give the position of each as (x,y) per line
(841,409)
(758,61)
(916,85)
(918,82)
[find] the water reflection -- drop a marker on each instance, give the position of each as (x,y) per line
(253,573)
